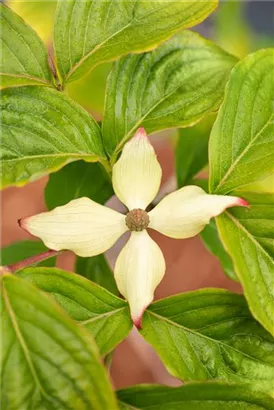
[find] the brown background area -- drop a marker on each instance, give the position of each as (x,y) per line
(189,266)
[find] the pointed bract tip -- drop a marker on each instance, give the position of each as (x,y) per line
(22,223)
(138,322)
(236,201)
(242,202)
(141,133)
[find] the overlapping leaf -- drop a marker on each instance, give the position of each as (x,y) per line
(174,85)
(194,396)
(210,334)
(249,238)
(48,362)
(42,130)
(242,139)
(103,314)
(24,58)
(89,32)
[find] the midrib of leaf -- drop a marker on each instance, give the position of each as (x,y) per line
(40,80)
(102,316)
(77,155)
(128,406)
(250,236)
(98,46)
(218,342)
(23,345)
(242,154)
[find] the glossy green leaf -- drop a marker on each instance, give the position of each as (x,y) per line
(210,334)
(76,180)
(97,270)
(23,54)
(174,85)
(213,243)
(103,314)
(87,33)
(241,143)
(42,130)
(248,236)
(192,150)
(48,362)
(194,396)
(24,249)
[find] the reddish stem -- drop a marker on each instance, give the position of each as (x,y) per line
(31,260)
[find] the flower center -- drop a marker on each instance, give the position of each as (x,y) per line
(137,220)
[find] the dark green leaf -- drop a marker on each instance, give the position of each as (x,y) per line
(97,270)
(87,33)
(210,334)
(76,180)
(42,130)
(24,249)
(194,396)
(103,314)
(213,243)
(248,236)
(174,85)
(49,363)
(192,150)
(241,143)
(23,54)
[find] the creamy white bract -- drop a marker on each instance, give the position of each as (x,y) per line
(88,228)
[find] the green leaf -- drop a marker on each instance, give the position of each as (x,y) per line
(213,243)
(241,143)
(42,130)
(87,33)
(76,180)
(174,85)
(194,396)
(103,314)
(47,361)
(97,270)
(23,54)
(24,249)
(192,150)
(210,334)
(247,234)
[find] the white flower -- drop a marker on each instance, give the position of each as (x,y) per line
(88,229)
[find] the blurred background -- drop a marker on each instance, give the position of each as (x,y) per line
(238,27)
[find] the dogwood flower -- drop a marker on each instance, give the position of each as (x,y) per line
(88,228)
